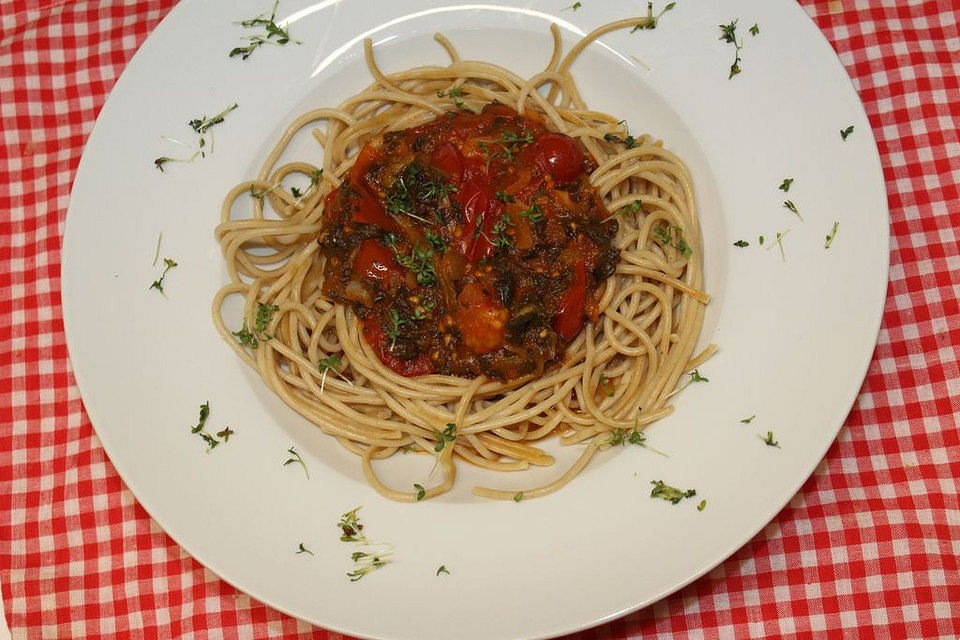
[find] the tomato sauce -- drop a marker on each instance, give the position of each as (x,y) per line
(473,244)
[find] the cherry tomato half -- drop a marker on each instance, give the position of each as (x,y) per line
(570,315)
(448,159)
(481,210)
(375,261)
(560,156)
(367,209)
(358,172)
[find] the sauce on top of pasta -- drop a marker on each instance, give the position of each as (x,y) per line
(473,244)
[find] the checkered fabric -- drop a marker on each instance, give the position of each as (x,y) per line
(868,548)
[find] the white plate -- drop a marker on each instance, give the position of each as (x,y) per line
(796,336)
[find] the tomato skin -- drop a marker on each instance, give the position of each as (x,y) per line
(560,156)
(448,159)
(377,339)
(474,168)
(376,262)
(479,206)
(467,125)
(570,314)
(481,318)
(369,210)
(358,172)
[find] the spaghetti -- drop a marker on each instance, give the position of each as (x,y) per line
(619,372)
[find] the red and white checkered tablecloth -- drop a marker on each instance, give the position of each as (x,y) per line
(868,548)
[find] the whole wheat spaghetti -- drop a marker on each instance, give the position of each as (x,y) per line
(619,372)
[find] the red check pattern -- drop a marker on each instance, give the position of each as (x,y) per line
(868,548)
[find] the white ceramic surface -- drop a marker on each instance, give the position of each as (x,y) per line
(796,336)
